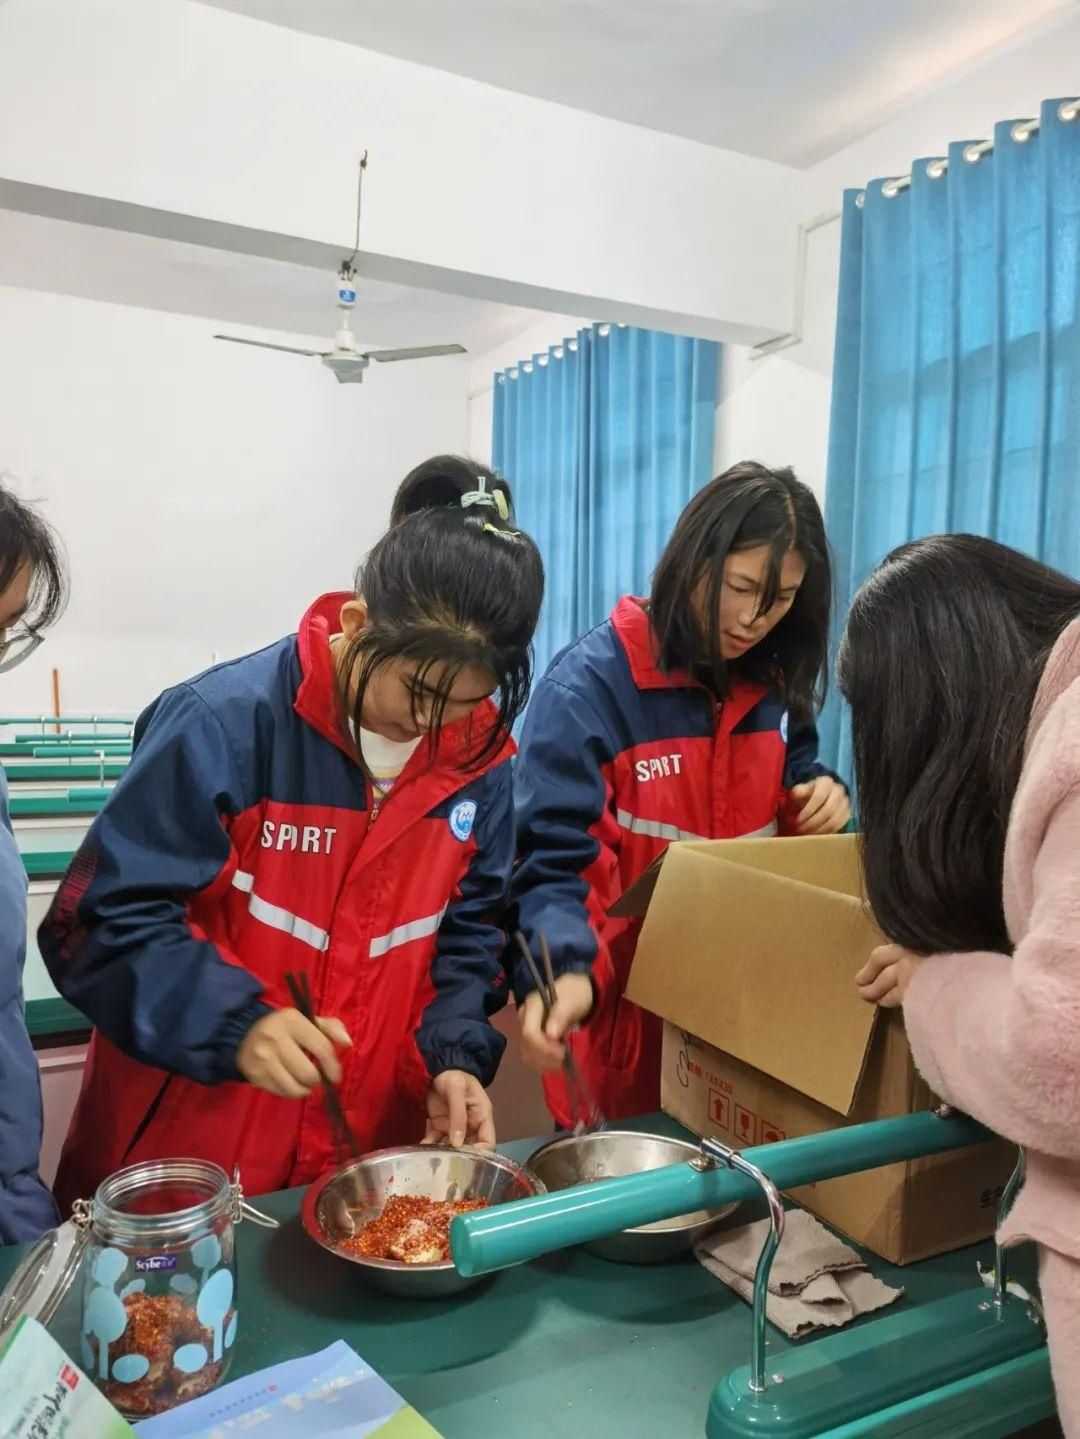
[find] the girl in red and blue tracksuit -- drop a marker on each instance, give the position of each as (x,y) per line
(338,804)
(685,716)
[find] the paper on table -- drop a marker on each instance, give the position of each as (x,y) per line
(333,1394)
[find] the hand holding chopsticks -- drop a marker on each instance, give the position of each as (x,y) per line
(345,1140)
(286,1054)
(544,1022)
(290,1052)
(586,1112)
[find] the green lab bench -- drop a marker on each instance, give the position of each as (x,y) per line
(31,771)
(52,1021)
(72,737)
(48,749)
(567,1347)
(46,853)
(65,721)
(78,801)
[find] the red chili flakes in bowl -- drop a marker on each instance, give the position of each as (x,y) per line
(411,1229)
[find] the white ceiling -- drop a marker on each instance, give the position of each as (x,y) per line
(44,254)
(787,80)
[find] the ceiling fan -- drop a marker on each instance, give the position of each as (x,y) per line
(344,360)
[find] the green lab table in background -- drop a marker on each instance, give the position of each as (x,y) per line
(92,736)
(569,1347)
(79,800)
(46,853)
(62,771)
(66,749)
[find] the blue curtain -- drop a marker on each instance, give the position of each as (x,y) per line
(604,439)
(956,383)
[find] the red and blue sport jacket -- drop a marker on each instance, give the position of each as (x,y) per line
(239,846)
(618,759)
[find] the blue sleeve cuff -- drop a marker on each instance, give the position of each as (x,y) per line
(523,985)
(231,1035)
(803,774)
(480,1059)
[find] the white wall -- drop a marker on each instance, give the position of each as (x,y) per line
(206,493)
(1008,84)
(777,409)
(472,189)
(61,1077)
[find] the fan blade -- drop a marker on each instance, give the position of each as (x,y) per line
(418,352)
(266,345)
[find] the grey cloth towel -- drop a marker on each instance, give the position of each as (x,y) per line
(817,1281)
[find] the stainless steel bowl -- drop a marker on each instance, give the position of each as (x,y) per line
(338,1206)
(585,1158)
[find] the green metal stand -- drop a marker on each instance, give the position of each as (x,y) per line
(508,1234)
(910,1373)
(855,1374)
(896,1363)
(988,1405)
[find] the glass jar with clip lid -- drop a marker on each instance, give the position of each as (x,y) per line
(155,1254)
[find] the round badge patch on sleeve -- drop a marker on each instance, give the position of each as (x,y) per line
(462,819)
(784,726)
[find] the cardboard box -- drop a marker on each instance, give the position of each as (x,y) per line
(748,953)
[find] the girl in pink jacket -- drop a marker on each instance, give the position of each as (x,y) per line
(961,663)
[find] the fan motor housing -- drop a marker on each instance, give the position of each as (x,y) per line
(347,369)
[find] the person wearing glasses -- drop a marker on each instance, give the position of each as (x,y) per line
(33,590)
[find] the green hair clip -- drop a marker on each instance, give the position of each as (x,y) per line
(489,499)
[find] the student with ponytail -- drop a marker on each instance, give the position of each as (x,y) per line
(338,803)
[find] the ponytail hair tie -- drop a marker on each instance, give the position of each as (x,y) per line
(487,499)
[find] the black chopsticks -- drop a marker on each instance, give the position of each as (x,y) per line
(299,987)
(587,1114)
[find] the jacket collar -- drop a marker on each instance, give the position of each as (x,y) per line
(318,702)
(630,619)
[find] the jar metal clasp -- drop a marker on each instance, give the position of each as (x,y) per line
(240,1209)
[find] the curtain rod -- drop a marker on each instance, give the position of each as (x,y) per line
(1021,132)
(556,351)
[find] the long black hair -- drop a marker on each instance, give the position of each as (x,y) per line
(943,652)
(444,480)
(27,539)
(449,586)
(746,507)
